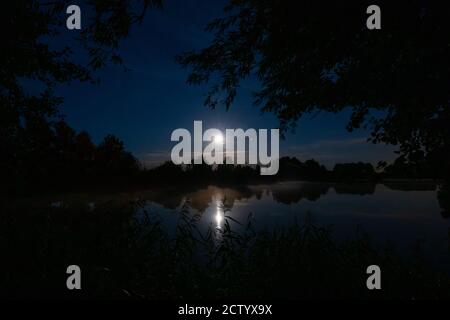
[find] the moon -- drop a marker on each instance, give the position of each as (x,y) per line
(218,139)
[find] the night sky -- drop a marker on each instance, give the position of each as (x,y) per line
(144,105)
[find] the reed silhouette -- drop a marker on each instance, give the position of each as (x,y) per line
(128,258)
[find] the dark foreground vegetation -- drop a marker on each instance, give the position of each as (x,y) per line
(125,256)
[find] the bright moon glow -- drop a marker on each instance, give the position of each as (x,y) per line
(219,219)
(218,139)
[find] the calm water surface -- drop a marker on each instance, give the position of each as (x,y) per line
(400,215)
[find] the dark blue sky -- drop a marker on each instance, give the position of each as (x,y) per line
(144,105)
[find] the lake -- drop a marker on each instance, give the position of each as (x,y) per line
(403,215)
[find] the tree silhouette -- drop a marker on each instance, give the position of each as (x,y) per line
(27,29)
(111,157)
(312,56)
(38,52)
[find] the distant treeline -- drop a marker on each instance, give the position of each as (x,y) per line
(59,158)
(291,168)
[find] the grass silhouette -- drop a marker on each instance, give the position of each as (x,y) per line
(122,256)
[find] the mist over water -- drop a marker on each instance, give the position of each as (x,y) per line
(403,216)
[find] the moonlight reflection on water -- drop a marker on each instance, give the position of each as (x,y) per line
(400,214)
(219,218)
